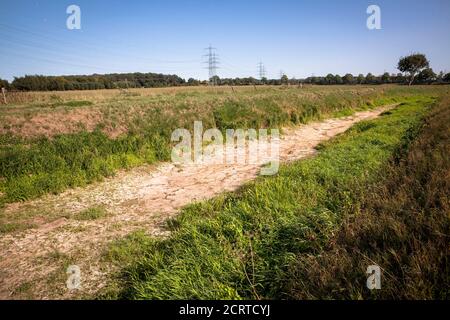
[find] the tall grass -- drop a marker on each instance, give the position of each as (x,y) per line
(241,245)
(30,167)
(403,226)
(44,166)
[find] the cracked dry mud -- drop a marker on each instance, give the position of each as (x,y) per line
(142,198)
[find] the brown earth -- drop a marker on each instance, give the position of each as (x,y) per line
(51,124)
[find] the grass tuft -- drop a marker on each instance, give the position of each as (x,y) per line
(93,213)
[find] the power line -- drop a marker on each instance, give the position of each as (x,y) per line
(47,53)
(59,47)
(212,62)
(61,62)
(67,62)
(233,67)
(90,46)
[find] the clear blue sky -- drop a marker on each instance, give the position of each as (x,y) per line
(299,37)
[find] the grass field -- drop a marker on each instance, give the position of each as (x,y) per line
(68,139)
(403,225)
(377,194)
(251,244)
(281,153)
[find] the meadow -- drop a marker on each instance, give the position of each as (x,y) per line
(377,194)
(403,225)
(51,141)
(245,245)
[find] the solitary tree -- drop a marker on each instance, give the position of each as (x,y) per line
(412,65)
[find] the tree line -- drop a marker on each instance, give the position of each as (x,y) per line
(414,69)
(92,82)
(425,77)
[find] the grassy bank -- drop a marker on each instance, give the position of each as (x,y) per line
(403,226)
(32,164)
(243,244)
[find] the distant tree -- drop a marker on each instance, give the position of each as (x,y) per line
(338,79)
(284,79)
(193,82)
(393,78)
(314,80)
(426,75)
(399,78)
(361,79)
(96,81)
(447,77)
(413,65)
(386,78)
(348,79)
(329,79)
(215,80)
(294,81)
(370,78)
(4,84)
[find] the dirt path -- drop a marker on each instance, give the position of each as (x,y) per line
(33,262)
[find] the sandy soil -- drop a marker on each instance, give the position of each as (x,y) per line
(33,262)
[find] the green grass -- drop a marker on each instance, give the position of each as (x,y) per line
(77,103)
(403,226)
(93,213)
(31,167)
(13,227)
(240,245)
(50,166)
